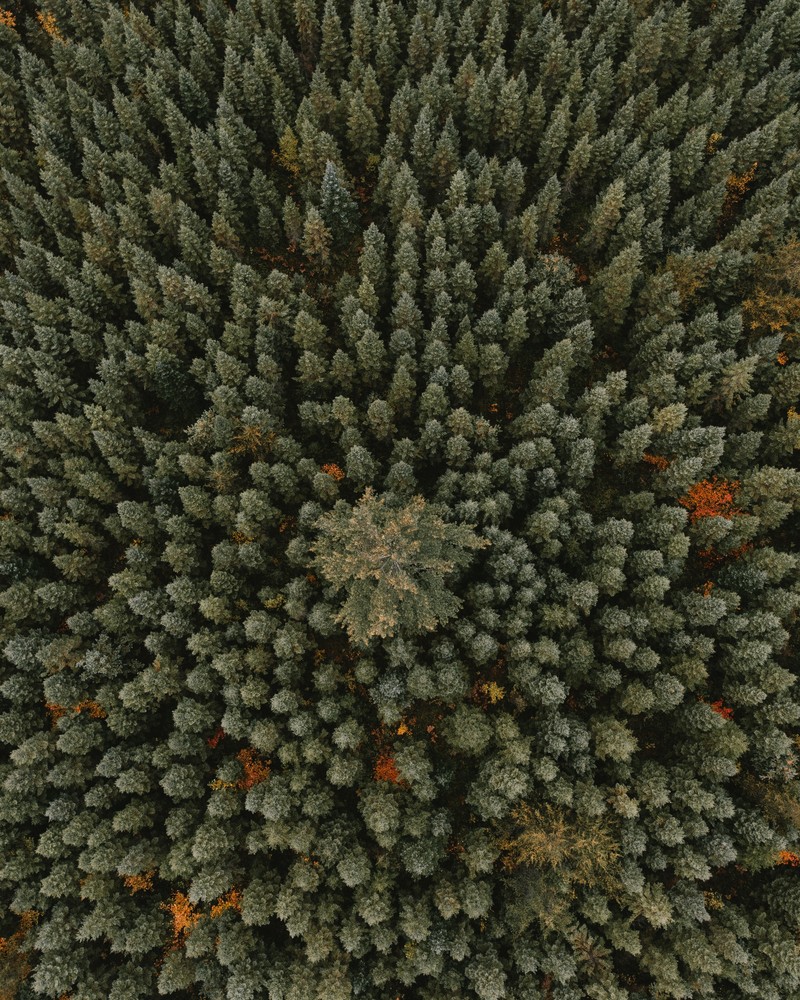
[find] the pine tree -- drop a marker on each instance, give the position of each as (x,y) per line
(337,208)
(392,565)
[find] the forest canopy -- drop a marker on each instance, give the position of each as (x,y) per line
(399,496)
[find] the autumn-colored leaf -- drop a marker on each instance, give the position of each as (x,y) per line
(711,498)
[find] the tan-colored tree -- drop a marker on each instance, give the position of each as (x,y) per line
(552,852)
(392,564)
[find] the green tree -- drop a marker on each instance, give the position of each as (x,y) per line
(392,565)
(337,207)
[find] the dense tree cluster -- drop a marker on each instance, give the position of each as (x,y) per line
(399,499)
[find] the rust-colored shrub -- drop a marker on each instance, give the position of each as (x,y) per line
(14,964)
(142,882)
(255,769)
(385,769)
(711,498)
(333,470)
(232,900)
(658,461)
(213,741)
(722,709)
(184,916)
(49,25)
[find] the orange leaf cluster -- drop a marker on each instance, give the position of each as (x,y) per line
(333,471)
(657,460)
(710,558)
(140,883)
(7,18)
(711,498)
(386,769)
(56,711)
(722,709)
(95,711)
(736,187)
(256,770)
(49,25)
(215,739)
(232,900)
(88,705)
(184,916)
(14,964)
(708,586)
(788,858)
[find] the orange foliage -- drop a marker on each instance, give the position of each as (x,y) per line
(581,274)
(708,586)
(722,709)
(710,558)
(711,498)
(782,358)
(657,460)
(333,471)
(48,23)
(232,900)
(386,769)
(280,260)
(788,858)
(95,711)
(87,705)
(184,916)
(256,770)
(7,18)
(214,740)
(14,963)
(140,883)
(711,144)
(56,711)
(736,187)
